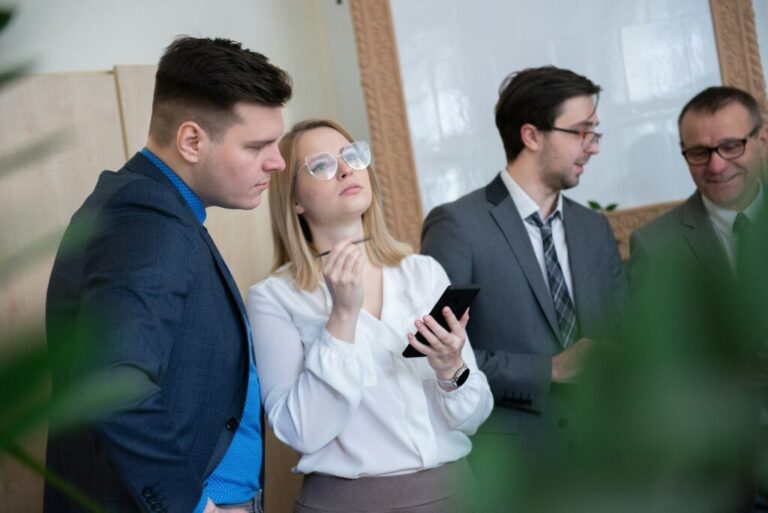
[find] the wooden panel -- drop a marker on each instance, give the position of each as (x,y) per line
(75,117)
(134,89)
(387,118)
(625,221)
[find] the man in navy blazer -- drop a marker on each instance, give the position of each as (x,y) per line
(139,282)
(551,277)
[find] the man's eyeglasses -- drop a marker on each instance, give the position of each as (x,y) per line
(588,137)
(323,165)
(729,149)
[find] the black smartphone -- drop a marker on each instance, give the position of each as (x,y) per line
(458,298)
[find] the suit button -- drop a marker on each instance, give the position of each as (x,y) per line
(232,424)
(562,422)
(147,492)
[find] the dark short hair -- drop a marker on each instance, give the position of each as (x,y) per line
(535,96)
(712,99)
(201,80)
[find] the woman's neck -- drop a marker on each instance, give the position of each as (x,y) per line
(325,238)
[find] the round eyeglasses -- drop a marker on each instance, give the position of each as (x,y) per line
(729,149)
(324,165)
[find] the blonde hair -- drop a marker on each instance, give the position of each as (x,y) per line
(290,233)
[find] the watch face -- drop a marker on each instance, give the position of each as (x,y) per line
(462,377)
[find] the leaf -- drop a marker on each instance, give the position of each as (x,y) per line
(594,205)
(22,374)
(34,251)
(52,478)
(36,150)
(96,396)
(611,207)
(78,236)
(92,397)
(9,75)
(5,16)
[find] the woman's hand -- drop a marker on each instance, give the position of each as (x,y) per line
(444,349)
(343,274)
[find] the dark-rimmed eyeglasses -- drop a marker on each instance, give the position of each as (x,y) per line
(588,137)
(324,165)
(729,149)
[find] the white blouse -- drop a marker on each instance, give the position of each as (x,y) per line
(361,409)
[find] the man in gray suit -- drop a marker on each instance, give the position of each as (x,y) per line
(714,245)
(723,142)
(551,276)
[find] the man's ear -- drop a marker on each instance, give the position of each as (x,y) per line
(191,141)
(531,137)
(762,140)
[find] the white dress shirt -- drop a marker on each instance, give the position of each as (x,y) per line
(722,221)
(361,409)
(526,206)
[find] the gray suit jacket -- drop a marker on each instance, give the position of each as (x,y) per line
(480,238)
(685,233)
(680,254)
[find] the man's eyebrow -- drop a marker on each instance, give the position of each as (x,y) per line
(586,123)
(261,142)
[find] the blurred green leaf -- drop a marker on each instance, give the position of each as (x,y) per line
(594,205)
(35,150)
(52,478)
(5,17)
(23,373)
(7,76)
(25,400)
(611,207)
(44,246)
(24,259)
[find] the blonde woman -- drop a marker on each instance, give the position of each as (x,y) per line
(376,431)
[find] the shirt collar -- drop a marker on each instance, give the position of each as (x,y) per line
(723,218)
(524,203)
(192,199)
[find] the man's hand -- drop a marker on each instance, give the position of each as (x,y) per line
(566,366)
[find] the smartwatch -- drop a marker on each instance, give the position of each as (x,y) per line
(457,380)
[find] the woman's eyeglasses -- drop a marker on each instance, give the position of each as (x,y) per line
(324,165)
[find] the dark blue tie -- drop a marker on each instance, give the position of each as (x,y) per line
(566,314)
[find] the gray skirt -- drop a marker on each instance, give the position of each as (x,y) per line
(445,489)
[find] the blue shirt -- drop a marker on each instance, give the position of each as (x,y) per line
(236,478)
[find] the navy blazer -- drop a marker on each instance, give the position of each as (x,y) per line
(139,281)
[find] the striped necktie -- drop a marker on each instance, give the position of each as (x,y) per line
(566,314)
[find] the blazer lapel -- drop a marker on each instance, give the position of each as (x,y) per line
(507,218)
(224,271)
(701,237)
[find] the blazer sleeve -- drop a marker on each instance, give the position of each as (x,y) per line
(517,380)
(136,279)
